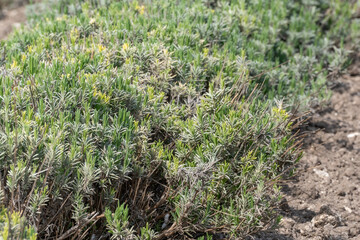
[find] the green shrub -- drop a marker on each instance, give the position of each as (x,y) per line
(173,115)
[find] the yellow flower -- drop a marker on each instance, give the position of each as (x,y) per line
(23,57)
(140,9)
(206,51)
(151,33)
(106,98)
(101,96)
(63,17)
(74,32)
(30,49)
(92,21)
(101,48)
(280,113)
(14,64)
(125,46)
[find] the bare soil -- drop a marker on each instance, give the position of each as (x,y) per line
(322,201)
(12,18)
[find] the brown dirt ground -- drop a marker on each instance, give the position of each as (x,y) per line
(322,201)
(13,18)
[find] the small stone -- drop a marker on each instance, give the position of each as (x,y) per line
(352,135)
(312,159)
(287,223)
(321,173)
(306,229)
(314,194)
(324,219)
(348,209)
(166,221)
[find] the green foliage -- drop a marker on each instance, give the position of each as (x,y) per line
(119,223)
(13,226)
(160,119)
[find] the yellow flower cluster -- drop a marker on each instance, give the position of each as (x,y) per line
(92,21)
(67,75)
(74,34)
(280,113)
(14,64)
(101,48)
(125,46)
(206,51)
(140,9)
(61,18)
(102,96)
(30,48)
(151,33)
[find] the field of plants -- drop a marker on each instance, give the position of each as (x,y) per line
(160,119)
